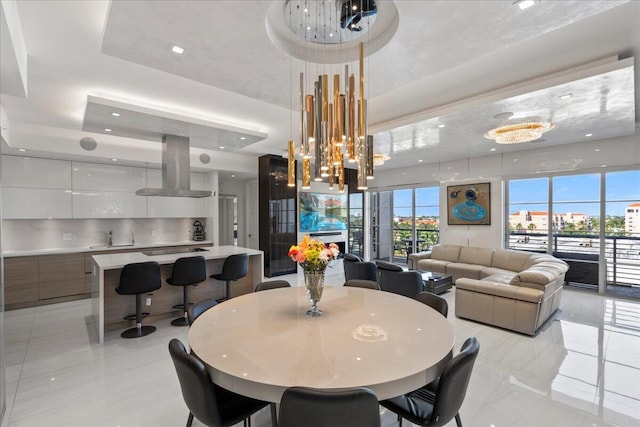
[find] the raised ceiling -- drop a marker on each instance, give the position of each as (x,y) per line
(457,63)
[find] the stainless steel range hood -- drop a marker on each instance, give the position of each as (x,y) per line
(176,170)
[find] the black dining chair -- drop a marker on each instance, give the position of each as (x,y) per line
(198,308)
(393,278)
(438,402)
(273,284)
(212,405)
(138,279)
(434,301)
(359,283)
(308,407)
(235,267)
(356,268)
(187,272)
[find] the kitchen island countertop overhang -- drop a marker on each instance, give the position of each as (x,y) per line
(105,275)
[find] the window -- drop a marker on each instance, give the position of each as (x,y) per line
(403,222)
(528,219)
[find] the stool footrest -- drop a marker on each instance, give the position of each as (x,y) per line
(133,316)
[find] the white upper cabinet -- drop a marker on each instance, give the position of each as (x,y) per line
(29,172)
(35,203)
(92,176)
(104,204)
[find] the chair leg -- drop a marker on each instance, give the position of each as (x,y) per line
(228,290)
(458,422)
(274,415)
(190,420)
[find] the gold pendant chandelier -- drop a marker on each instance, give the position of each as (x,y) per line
(333,127)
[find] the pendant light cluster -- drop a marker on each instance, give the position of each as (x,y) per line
(333,128)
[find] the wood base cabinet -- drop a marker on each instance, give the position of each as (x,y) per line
(20,280)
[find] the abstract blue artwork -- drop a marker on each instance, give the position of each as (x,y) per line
(469,204)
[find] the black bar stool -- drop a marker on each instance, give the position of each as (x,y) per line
(187,271)
(138,279)
(235,267)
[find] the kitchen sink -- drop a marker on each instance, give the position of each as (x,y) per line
(173,251)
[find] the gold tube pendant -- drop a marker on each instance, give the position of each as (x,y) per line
(291,172)
(341,176)
(306,174)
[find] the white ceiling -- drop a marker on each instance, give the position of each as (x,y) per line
(457,63)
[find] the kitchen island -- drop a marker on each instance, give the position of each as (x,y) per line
(109,308)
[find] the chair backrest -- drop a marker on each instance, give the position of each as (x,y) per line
(189,271)
(453,383)
(355,268)
(351,257)
(302,406)
(393,278)
(434,301)
(198,308)
(359,283)
(235,267)
(197,388)
(139,277)
(273,284)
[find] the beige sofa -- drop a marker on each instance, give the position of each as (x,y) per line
(514,290)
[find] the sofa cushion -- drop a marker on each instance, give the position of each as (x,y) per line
(478,256)
(490,271)
(501,290)
(457,270)
(446,252)
(504,278)
(434,265)
(508,259)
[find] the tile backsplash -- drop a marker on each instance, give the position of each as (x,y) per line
(22,234)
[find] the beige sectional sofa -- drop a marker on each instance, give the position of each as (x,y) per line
(511,289)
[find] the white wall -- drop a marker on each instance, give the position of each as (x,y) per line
(598,155)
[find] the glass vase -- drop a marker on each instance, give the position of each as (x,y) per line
(314,283)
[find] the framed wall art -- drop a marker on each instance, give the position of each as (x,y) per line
(469,204)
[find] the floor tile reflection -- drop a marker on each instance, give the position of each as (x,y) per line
(582,369)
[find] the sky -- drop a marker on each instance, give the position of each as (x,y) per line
(571,193)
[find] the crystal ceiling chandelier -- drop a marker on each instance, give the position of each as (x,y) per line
(333,109)
(516,131)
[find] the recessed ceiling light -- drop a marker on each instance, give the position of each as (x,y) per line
(107,130)
(177,49)
(308,28)
(603,166)
(330,34)
(22,150)
(306,10)
(524,4)
(233,176)
(354,7)
(243,138)
(115,114)
(493,149)
(565,96)
(114,160)
(596,150)
(221,147)
(588,134)
(420,161)
(441,126)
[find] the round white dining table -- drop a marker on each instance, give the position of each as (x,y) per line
(260,344)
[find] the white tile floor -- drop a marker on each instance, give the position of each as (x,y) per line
(582,369)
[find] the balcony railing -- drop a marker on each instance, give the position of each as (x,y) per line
(403,244)
(622,253)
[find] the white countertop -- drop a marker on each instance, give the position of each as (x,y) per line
(259,344)
(113,261)
(99,248)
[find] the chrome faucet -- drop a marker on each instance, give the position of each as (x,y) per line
(110,238)
(133,241)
